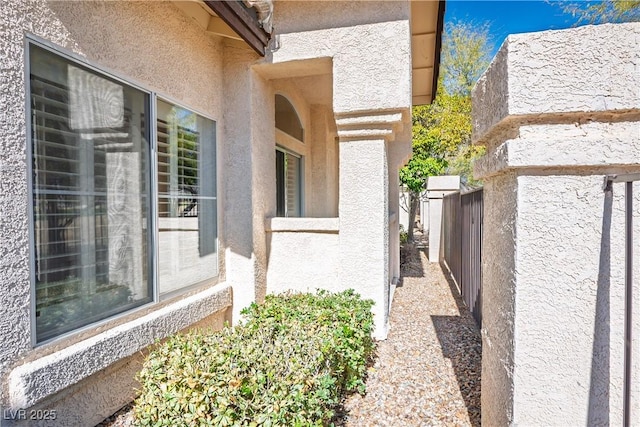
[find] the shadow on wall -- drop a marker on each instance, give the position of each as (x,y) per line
(461,343)
(600,363)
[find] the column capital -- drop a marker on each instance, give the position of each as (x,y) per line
(372,125)
(560,102)
(552,76)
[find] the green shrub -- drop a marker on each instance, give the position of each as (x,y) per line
(289,364)
(404,236)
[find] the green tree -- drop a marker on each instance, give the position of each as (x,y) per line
(466,51)
(604,11)
(442,130)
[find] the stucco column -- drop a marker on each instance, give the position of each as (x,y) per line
(364,228)
(558,111)
(437,188)
(370,144)
(245,154)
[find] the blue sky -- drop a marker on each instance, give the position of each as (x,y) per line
(509,17)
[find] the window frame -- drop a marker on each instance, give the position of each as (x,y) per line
(161,297)
(151,175)
(291,145)
(300,183)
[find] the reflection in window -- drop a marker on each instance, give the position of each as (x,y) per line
(186,197)
(90,170)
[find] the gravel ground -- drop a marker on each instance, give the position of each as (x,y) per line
(427,372)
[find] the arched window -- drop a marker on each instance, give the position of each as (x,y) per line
(287,119)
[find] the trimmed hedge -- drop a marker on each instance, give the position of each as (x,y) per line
(289,364)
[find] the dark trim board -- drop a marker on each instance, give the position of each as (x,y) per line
(246,26)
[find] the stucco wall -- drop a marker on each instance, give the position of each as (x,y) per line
(181,63)
(323,188)
(237,201)
(303,254)
(300,16)
(557,115)
(364,245)
(498,289)
(364,46)
(589,71)
(570,220)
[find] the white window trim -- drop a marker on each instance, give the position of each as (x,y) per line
(301,180)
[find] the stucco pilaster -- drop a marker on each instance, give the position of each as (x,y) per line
(364,224)
(399,152)
(557,115)
(238,153)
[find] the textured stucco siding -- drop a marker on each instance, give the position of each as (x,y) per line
(590,144)
(361,55)
(498,298)
(300,16)
(592,69)
(237,200)
(570,297)
(303,261)
(150,44)
(323,188)
(364,244)
(558,112)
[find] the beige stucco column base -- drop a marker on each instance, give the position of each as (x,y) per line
(558,111)
(368,149)
(364,217)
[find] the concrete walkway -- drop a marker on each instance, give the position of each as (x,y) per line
(428,370)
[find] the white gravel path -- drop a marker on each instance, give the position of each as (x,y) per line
(428,370)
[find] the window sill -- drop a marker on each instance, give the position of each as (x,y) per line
(36,380)
(302,225)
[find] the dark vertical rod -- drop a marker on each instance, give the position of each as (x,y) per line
(628,302)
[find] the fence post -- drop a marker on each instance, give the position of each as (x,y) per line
(437,188)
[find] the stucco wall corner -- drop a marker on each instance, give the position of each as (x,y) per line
(557,111)
(498,298)
(490,96)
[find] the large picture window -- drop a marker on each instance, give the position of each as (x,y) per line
(96,245)
(90,185)
(186,197)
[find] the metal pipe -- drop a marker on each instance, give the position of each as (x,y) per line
(628,179)
(628,279)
